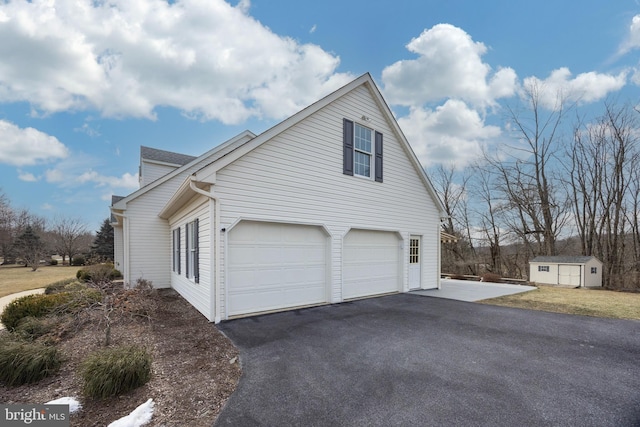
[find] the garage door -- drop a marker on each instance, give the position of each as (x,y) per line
(371,263)
(275,266)
(569,275)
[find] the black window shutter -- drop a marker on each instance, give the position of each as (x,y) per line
(196,261)
(177,255)
(347,147)
(378,157)
(187,251)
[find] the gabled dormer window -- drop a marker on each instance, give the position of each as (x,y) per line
(362,151)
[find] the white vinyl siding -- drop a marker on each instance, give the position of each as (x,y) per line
(150,171)
(198,294)
(297,176)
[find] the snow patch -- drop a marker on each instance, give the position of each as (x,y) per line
(137,418)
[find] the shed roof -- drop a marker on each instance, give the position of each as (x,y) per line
(564,259)
(163,156)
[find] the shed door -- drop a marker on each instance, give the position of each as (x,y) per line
(569,275)
(371,263)
(275,266)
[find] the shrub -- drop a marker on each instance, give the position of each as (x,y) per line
(30,328)
(31,305)
(57,287)
(53,261)
(114,371)
(98,273)
(23,363)
(78,260)
(491,277)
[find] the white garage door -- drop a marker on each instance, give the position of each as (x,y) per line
(275,266)
(371,263)
(569,275)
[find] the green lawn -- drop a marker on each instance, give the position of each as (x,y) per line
(15,278)
(588,302)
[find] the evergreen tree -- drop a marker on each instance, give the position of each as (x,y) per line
(29,248)
(103,243)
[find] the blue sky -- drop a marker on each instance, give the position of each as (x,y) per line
(84,83)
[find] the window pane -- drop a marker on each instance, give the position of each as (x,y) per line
(362,140)
(362,164)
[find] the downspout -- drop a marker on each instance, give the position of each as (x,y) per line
(214,298)
(125,248)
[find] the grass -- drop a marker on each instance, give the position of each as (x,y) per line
(587,302)
(14,278)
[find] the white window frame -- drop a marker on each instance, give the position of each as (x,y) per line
(543,268)
(191,251)
(594,270)
(359,151)
(176,252)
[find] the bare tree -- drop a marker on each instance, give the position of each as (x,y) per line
(69,237)
(457,257)
(528,179)
(605,158)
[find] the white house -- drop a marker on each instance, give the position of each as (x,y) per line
(329,205)
(578,271)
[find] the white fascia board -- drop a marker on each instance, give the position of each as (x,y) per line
(183,194)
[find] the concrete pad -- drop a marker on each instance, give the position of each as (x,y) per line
(4,301)
(468,290)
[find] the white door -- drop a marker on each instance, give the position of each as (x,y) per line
(371,263)
(569,275)
(415,261)
(275,266)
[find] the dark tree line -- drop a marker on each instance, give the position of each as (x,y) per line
(30,239)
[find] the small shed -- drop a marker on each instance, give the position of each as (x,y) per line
(577,271)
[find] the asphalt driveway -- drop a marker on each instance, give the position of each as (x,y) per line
(409,360)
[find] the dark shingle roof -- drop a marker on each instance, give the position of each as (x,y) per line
(563,259)
(149,153)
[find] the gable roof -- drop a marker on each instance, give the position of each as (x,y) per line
(564,259)
(162,156)
(220,150)
(207,173)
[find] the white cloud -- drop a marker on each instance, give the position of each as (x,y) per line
(27,177)
(452,133)
(583,88)
(28,146)
(126,181)
(85,128)
(449,65)
(633,38)
(124,59)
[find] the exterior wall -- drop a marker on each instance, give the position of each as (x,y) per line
(118,248)
(593,280)
(297,177)
(198,294)
(551,277)
(150,171)
(546,277)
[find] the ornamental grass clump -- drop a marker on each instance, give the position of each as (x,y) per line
(113,371)
(24,363)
